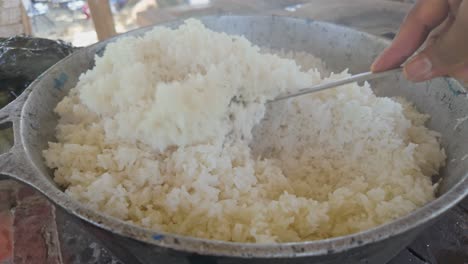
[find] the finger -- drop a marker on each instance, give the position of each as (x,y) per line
(440,30)
(423,17)
(446,53)
(444,26)
(454,5)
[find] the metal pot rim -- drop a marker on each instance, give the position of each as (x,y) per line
(14,113)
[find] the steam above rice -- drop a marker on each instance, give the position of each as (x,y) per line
(170,131)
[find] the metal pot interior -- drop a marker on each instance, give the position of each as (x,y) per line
(339,47)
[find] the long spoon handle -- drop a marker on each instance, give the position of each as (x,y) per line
(361,77)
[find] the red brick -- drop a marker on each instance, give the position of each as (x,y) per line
(6,227)
(35,231)
(25,192)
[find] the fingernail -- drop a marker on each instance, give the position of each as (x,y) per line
(419,69)
(373,66)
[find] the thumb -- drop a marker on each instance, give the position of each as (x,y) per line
(444,54)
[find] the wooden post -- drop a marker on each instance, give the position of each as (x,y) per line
(13,19)
(102,18)
(26,22)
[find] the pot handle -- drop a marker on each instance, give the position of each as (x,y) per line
(12,163)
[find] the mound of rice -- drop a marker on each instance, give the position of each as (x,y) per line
(170,131)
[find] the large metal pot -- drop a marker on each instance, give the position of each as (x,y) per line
(34,125)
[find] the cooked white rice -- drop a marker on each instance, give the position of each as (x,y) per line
(161,134)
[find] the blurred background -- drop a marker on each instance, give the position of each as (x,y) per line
(72,20)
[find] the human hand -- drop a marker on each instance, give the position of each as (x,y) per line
(442,25)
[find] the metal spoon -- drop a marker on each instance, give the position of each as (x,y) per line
(361,77)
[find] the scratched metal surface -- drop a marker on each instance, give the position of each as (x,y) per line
(445,242)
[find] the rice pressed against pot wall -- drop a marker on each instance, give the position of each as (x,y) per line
(34,123)
(158,134)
